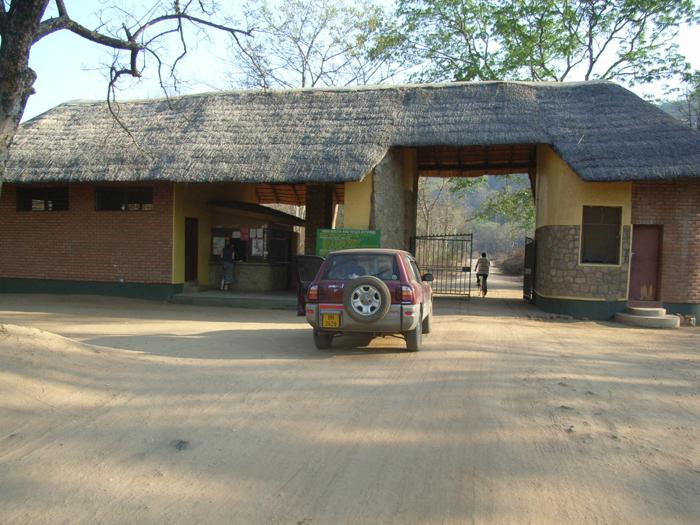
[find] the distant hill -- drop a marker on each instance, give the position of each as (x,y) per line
(678,109)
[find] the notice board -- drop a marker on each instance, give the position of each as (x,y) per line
(331,240)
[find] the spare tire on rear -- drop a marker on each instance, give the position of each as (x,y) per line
(366,299)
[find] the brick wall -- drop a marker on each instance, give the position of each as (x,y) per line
(87,245)
(676,206)
(559,273)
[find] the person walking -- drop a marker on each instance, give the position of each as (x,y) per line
(482,273)
(227,256)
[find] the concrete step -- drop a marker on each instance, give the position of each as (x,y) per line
(191,287)
(644,321)
(646,312)
(250,300)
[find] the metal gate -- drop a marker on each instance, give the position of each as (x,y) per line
(529,271)
(449,259)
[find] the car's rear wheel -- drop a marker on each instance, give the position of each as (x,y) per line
(323,341)
(366,299)
(414,338)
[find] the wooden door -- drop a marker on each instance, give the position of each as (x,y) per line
(191,244)
(644,278)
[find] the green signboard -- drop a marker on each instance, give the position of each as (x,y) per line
(331,240)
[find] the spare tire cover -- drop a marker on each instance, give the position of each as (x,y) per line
(366,299)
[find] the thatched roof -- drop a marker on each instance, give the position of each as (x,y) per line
(602,130)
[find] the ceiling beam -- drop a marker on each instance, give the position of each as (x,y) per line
(479,167)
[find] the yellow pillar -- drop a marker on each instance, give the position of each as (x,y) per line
(358,203)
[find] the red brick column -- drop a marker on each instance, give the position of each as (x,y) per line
(676,206)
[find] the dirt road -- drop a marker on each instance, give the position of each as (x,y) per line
(212,415)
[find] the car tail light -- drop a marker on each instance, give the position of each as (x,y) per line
(407,294)
(312,294)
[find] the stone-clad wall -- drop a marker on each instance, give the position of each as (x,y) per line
(388,207)
(559,273)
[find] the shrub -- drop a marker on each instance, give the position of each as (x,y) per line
(513,264)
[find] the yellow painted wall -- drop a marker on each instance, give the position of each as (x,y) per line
(358,195)
(190,201)
(561,194)
(358,203)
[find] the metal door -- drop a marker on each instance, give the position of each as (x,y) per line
(644,271)
(191,245)
(449,259)
(529,269)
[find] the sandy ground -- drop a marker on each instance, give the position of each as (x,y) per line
(143,412)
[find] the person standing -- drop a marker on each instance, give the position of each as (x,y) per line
(227,256)
(482,273)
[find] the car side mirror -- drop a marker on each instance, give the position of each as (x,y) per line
(428,277)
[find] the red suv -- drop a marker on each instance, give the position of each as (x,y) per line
(370,291)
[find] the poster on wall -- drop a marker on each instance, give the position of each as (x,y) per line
(217,245)
(257,248)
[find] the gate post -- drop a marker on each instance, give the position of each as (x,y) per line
(394,200)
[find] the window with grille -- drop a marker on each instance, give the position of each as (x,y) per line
(123,199)
(600,236)
(51,198)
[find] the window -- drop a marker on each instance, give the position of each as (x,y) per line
(350,266)
(124,199)
(413,269)
(600,238)
(42,199)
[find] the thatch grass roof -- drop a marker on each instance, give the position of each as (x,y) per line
(602,130)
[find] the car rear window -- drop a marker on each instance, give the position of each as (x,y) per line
(344,267)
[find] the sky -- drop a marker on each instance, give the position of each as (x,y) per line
(69,67)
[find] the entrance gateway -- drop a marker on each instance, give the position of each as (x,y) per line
(369,145)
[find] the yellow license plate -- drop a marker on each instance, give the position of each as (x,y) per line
(330,320)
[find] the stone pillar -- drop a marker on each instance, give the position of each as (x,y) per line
(393,200)
(410,173)
(320,212)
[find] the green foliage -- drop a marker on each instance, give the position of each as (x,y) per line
(467,184)
(511,204)
(515,205)
(624,40)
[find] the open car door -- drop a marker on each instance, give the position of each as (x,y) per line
(306,268)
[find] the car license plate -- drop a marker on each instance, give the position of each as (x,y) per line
(330,320)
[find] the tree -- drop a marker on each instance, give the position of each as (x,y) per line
(512,202)
(436,207)
(689,103)
(137,41)
(624,40)
(306,44)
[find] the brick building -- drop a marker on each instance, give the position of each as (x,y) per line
(85,207)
